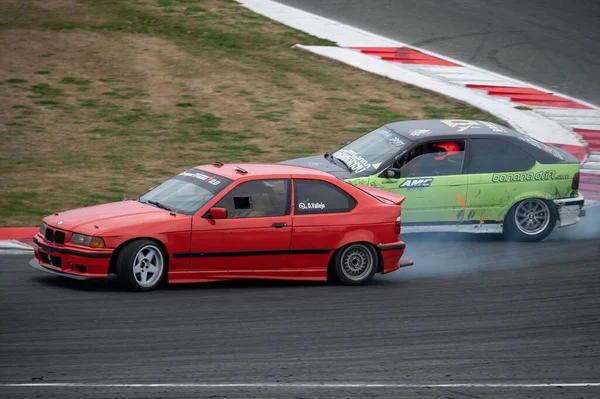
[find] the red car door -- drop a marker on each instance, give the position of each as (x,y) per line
(254,240)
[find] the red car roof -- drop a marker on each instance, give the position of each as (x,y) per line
(230,170)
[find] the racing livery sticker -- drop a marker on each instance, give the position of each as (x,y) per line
(416,184)
(461,125)
(527,176)
(353,160)
(209,179)
(391,137)
(362,180)
(201,178)
(376,184)
(310,205)
(494,127)
(419,132)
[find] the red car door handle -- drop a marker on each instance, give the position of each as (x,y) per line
(279,225)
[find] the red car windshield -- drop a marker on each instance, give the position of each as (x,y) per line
(187,192)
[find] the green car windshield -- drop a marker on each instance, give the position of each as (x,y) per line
(367,153)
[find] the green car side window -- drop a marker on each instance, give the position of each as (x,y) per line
(496,156)
(440,158)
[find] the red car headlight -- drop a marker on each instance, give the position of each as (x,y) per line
(88,241)
(43,229)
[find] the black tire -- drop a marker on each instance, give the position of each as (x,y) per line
(130,269)
(527,211)
(356,263)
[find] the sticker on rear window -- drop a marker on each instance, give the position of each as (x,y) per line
(310,205)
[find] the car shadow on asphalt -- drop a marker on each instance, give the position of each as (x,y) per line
(111,284)
(451,237)
(244,284)
(101,285)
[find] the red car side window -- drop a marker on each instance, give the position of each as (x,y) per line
(257,198)
(317,196)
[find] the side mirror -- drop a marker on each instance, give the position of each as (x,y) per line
(218,213)
(392,173)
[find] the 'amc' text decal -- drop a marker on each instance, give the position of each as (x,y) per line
(414,183)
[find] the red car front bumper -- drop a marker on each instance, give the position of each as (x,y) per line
(392,256)
(70,261)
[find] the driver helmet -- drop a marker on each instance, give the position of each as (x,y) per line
(445,149)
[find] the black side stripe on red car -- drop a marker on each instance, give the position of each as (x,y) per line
(181,254)
(67,251)
(251,253)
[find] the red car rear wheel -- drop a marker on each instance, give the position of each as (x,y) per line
(355,263)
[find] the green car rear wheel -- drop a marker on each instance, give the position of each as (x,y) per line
(531,219)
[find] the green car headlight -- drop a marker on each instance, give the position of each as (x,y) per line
(43,229)
(87,241)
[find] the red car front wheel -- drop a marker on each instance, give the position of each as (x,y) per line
(141,265)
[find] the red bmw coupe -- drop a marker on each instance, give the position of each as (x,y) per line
(229,221)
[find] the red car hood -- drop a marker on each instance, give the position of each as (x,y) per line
(107,217)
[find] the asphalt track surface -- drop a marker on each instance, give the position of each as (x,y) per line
(551,43)
(473,309)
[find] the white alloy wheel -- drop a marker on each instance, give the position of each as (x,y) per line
(148,266)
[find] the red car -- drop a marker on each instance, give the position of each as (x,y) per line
(225,221)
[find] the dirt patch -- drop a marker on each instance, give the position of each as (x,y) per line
(52,5)
(102,100)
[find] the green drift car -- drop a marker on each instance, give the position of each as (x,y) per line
(464,176)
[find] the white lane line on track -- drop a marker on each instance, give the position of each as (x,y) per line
(303,385)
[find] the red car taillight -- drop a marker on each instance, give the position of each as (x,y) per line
(575,183)
(397,225)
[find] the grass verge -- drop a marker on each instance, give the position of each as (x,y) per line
(101,99)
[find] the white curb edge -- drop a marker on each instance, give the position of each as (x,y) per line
(528,122)
(14,247)
(349,36)
(548,124)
